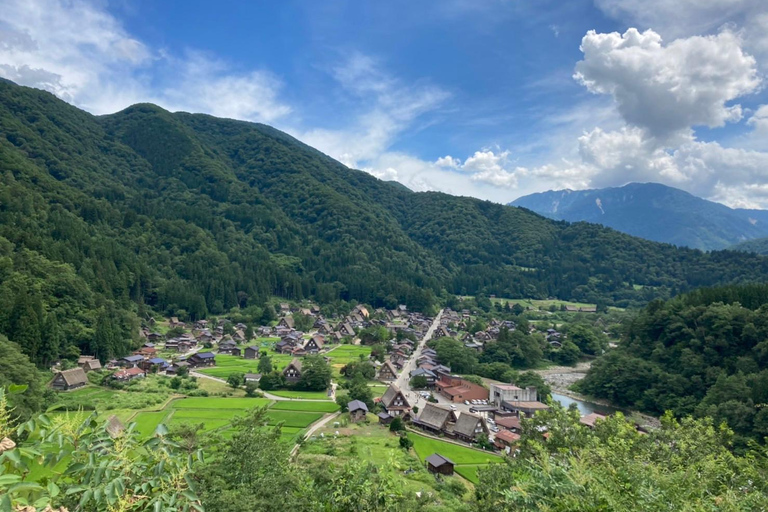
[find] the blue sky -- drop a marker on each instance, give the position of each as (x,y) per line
(489,98)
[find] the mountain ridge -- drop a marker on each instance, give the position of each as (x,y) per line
(655,212)
(107,218)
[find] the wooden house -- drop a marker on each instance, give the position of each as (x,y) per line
(292,372)
(202,359)
(252,377)
(69,379)
(89,363)
(314,344)
(438,464)
(357,410)
(435,419)
(129,374)
(394,401)
(387,372)
(468,427)
(251,352)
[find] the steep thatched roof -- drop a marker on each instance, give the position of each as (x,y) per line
(435,416)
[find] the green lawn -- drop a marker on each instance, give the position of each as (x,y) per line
(426,446)
(286,405)
(293,418)
(306,395)
(147,422)
(469,472)
(219,403)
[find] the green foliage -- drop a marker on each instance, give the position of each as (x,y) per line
(236,379)
(419,382)
(252,389)
(694,355)
(103,470)
(16,368)
(315,374)
(684,465)
(272,380)
(397,425)
(355,369)
(265,364)
(104,218)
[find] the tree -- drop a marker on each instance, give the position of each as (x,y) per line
(236,379)
(182,371)
(362,369)
(251,389)
(17,369)
(406,443)
(265,364)
(359,390)
(529,378)
(272,380)
(419,382)
(130,474)
(315,374)
(397,425)
(568,354)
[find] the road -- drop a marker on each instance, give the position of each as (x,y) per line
(403,381)
(314,428)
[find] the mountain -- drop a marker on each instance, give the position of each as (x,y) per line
(106,219)
(654,212)
(757,246)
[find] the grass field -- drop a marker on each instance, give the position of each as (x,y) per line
(536,304)
(305,406)
(467,460)
(306,395)
(147,422)
(293,418)
(219,403)
(371,443)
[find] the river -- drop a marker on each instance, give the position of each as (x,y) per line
(584,407)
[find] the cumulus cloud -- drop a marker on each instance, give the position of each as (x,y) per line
(667,89)
(682,18)
(81,53)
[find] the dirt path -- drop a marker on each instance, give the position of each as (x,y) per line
(319,424)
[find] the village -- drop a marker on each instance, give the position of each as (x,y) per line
(411,386)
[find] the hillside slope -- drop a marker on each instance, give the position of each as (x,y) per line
(192,215)
(654,212)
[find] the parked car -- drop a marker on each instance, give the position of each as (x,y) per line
(466,402)
(453,407)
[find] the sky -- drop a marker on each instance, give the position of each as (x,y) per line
(494,99)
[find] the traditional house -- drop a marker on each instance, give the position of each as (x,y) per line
(88,363)
(387,372)
(435,419)
(251,352)
(345,329)
(69,379)
(442,332)
(469,427)
(252,377)
(385,418)
(115,427)
(175,322)
(292,372)
(439,465)
(129,374)
(286,322)
(315,309)
(285,307)
(314,344)
(357,410)
(394,401)
(202,359)
(305,311)
(146,352)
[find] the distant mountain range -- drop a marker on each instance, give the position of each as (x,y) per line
(654,212)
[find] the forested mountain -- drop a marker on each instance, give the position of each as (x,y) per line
(702,353)
(757,246)
(101,217)
(654,212)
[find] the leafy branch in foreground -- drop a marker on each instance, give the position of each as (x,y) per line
(94,466)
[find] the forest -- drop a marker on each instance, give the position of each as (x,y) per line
(702,353)
(104,220)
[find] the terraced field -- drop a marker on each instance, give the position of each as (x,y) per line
(467,460)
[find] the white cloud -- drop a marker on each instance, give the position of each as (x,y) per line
(82,54)
(388,106)
(683,18)
(666,90)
